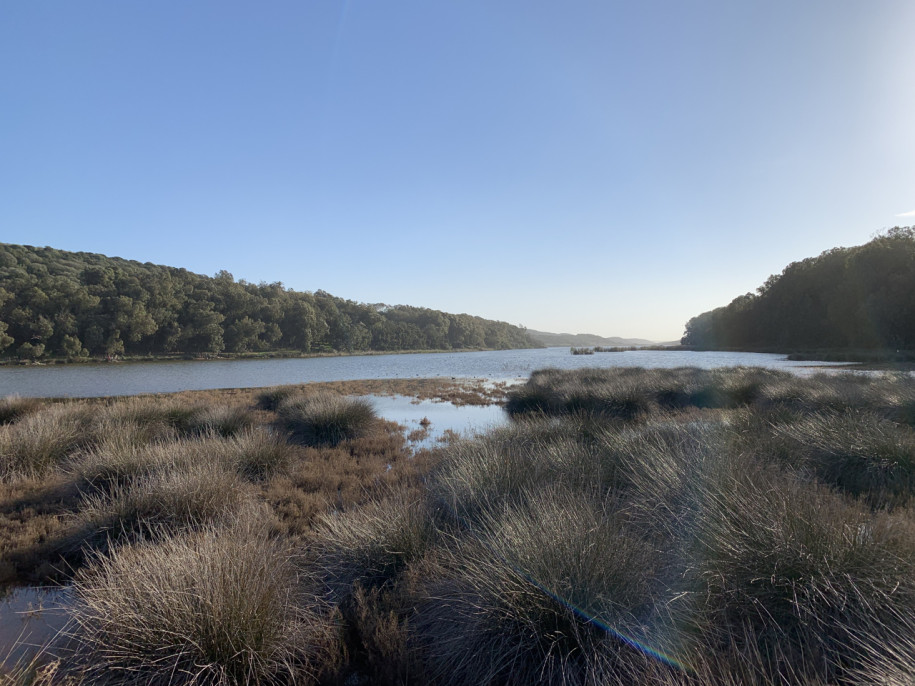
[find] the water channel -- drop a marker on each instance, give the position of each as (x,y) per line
(132,378)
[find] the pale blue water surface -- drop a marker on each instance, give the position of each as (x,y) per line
(132,378)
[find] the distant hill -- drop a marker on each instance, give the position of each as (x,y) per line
(74,304)
(584,339)
(847,298)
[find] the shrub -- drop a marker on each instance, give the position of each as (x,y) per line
(224,605)
(326,418)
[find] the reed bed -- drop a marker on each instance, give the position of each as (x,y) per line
(665,527)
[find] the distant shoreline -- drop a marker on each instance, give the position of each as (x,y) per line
(223,356)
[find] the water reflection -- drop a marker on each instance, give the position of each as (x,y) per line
(442,417)
(30,619)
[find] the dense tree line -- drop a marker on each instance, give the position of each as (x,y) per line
(860,297)
(62,304)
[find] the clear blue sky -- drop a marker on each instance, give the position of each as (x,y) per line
(604,167)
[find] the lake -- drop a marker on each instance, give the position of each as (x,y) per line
(132,378)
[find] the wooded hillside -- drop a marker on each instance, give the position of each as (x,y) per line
(861,297)
(55,303)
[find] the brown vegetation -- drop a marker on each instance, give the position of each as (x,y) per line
(676,527)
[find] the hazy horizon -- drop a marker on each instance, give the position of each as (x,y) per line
(612,169)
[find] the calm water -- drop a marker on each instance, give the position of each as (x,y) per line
(30,619)
(91,380)
(441,417)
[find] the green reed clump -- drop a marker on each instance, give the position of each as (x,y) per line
(326,418)
(225,605)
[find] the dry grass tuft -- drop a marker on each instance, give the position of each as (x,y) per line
(224,605)
(325,418)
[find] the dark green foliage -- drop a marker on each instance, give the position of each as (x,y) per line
(325,418)
(857,298)
(61,304)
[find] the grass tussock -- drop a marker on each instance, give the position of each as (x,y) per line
(325,418)
(41,441)
(857,452)
(179,498)
(372,544)
(14,407)
(223,605)
(270,399)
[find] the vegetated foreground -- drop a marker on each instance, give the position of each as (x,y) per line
(734,526)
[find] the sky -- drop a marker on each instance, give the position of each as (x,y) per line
(585,166)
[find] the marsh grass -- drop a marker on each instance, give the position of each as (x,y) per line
(222,420)
(178,497)
(271,398)
(42,440)
(800,566)
(14,407)
(663,527)
(527,599)
(326,418)
(222,605)
(372,544)
(857,452)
